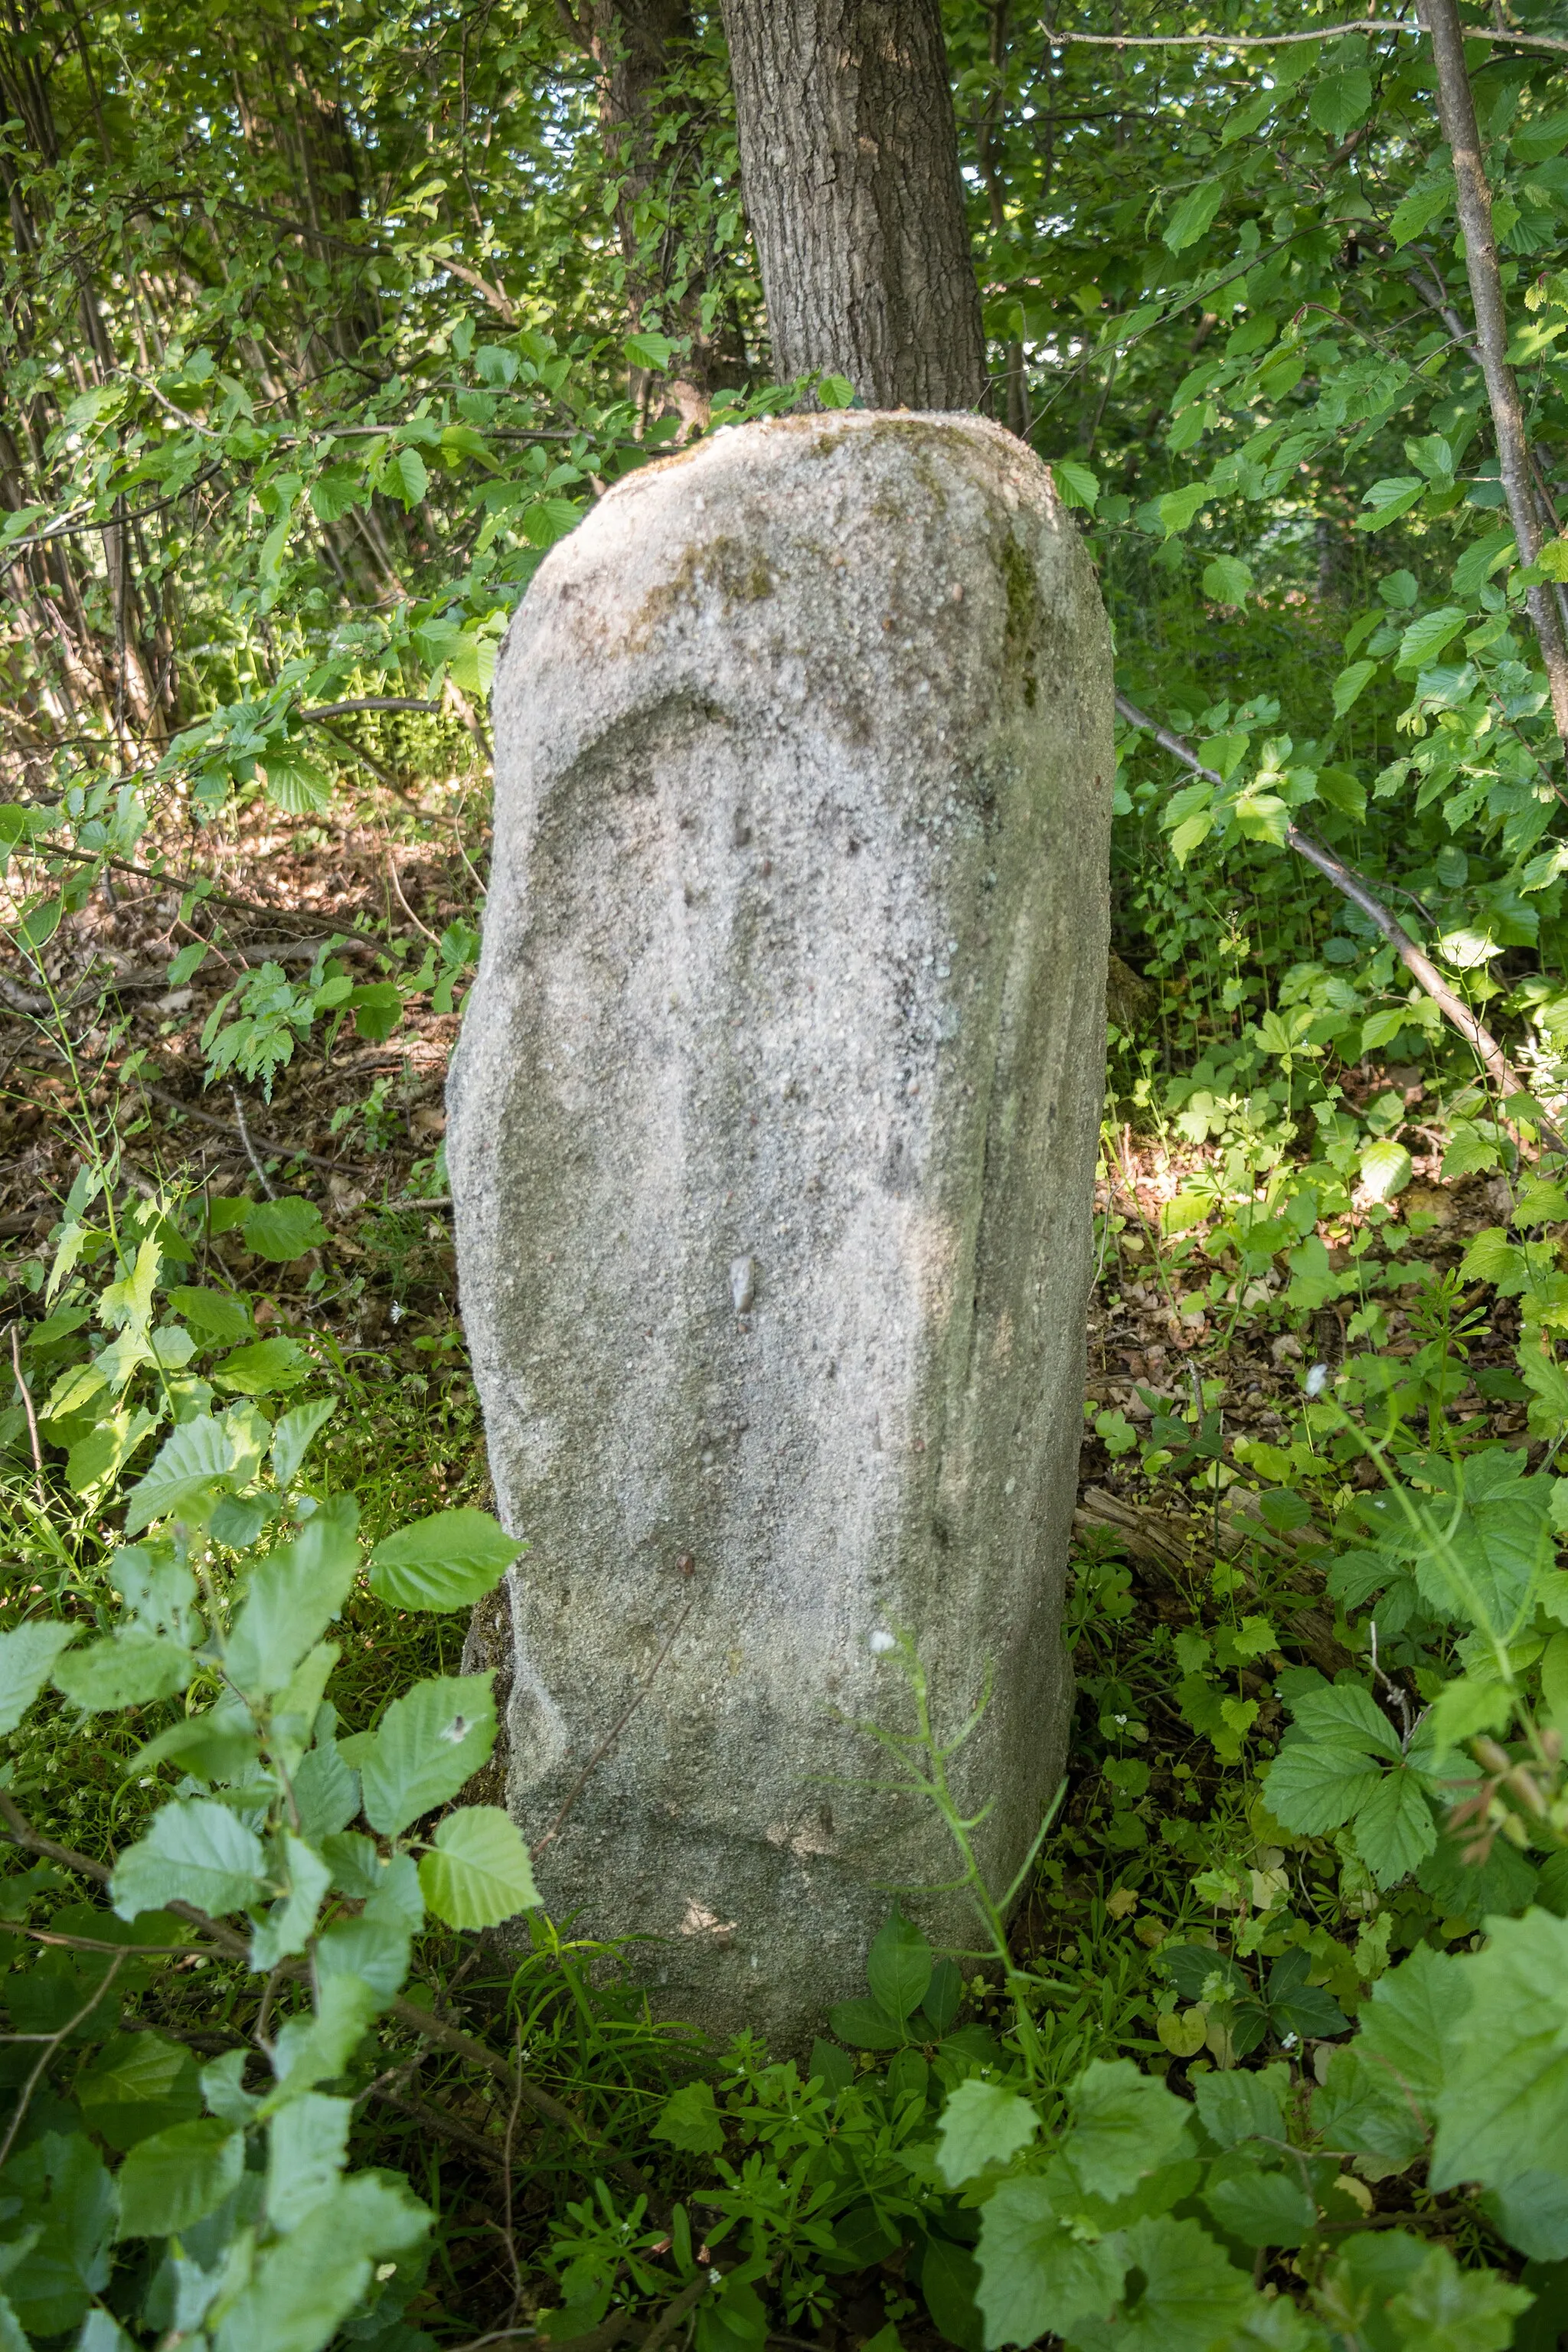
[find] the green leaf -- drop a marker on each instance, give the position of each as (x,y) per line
(1187,2290)
(1479,562)
(1415,2018)
(981,2123)
(295,784)
(214,1312)
(132,1668)
(1077,486)
(407,476)
(899,1967)
(138,2083)
(1394,1829)
(478,1872)
(292,1434)
(1262,2209)
(306,2286)
(1125,2124)
(292,1597)
(195,1852)
(1038,2273)
(1351,684)
(27,1655)
(1312,1786)
(1179,509)
(189,1470)
(835,392)
(1446,2309)
(1505,2086)
(1394,495)
(1194,214)
(263,1367)
(1425,639)
(1243,2105)
(865,2024)
(1420,208)
(282,1230)
(690,2122)
(429,1743)
(306,2142)
(646,350)
(291,1921)
(446,1561)
(1340,101)
(1386,1168)
(171,2180)
(1227,580)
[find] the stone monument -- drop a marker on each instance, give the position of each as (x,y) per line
(772,1136)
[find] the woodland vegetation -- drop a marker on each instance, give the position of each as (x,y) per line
(319,325)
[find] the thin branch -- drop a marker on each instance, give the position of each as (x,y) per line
(27,1408)
(1344,880)
(1456,113)
(367,703)
(52,2044)
(111,522)
(1495,35)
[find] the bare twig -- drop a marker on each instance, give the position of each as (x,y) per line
(1495,33)
(365,702)
(1344,880)
(226,1127)
(50,2046)
(27,1408)
(1456,112)
(261,1176)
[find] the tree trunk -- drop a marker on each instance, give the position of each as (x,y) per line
(849,162)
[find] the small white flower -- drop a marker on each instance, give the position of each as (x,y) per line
(1287,2041)
(881,1643)
(396,1312)
(1317,1380)
(1118,1718)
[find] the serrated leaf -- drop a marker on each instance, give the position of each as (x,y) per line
(291,1598)
(1077,485)
(138,2083)
(1243,2105)
(1394,1829)
(1505,2077)
(981,2123)
(407,476)
(263,1367)
(1312,1786)
(27,1653)
(1194,216)
(1125,2124)
(132,1668)
(446,1561)
(280,1231)
(1420,208)
(292,1434)
(690,2121)
(306,2142)
(197,1852)
(1351,684)
(1188,2292)
(291,1920)
(1179,509)
(1340,100)
(1415,2020)
(213,1311)
(479,1871)
(429,1743)
(865,2024)
(1227,580)
(306,2286)
(189,1470)
(1425,639)
(1262,2209)
(1038,2273)
(169,2182)
(295,784)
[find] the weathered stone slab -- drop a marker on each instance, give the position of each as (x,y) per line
(772,1139)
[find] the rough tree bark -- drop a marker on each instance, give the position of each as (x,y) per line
(849,162)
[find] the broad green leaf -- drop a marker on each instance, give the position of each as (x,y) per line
(1243,2104)
(1340,100)
(315,2047)
(1188,2291)
(407,476)
(1415,2019)
(1420,208)
(1312,1787)
(1394,495)
(263,1367)
(1395,1828)
(1077,485)
(981,2123)
(647,349)
(283,1230)
(1179,509)
(195,1852)
(1425,639)
(306,2286)
(306,2142)
(189,1470)
(1479,562)
(1351,684)
(690,2121)
(326,1792)
(1386,1168)
(289,1923)
(428,1744)
(865,2024)
(1227,580)
(1124,2125)
(295,783)
(132,1668)
(899,1967)
(170,2181)
(1347,1713)
(1194,216)
(292,1597)
(137,2084)
(1505,2075)
(1038,2273)
(128,1302)
(479,1871)
(27,1655)
(835,392)
(1447,2309)
(446,1561)
(1262,2209)
(292,1434)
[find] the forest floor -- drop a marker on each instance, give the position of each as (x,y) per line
(1156,1819)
